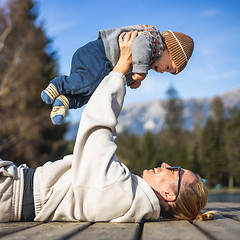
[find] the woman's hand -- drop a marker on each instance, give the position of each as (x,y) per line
(125,58)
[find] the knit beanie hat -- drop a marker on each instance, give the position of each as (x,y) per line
(180,47)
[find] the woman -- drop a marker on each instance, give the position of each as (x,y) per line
(92,184)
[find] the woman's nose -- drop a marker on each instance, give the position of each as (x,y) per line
(165,165)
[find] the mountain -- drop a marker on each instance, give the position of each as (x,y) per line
(149,116)
(140,117)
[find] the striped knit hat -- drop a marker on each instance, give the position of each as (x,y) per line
(180,47)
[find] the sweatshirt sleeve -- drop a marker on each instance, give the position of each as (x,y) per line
(94,149)
(146,49)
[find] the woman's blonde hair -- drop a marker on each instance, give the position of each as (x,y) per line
(190,201)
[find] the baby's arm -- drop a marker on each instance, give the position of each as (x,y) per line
(141,54)
(125,59)
(140,61)
(138,78)
(147,45)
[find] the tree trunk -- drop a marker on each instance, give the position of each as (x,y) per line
(231,181)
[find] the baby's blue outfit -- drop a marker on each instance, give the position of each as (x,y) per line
(92,62)
(89,66)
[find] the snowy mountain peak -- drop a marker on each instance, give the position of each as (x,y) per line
(150,116)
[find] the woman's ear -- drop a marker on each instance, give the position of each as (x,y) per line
(168,196)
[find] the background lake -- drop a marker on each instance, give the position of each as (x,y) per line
(223,197)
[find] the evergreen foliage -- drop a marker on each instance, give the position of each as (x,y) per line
(233,147)
(211,149)
(27,64)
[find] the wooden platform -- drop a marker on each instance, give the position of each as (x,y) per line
(226,226)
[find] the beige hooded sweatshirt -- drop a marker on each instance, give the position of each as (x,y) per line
(92,184)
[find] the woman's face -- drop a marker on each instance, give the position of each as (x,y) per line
(163,179)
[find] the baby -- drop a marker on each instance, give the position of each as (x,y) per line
(165,52)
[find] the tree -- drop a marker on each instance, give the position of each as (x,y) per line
(128,150)
(27,64)
(150,155)
(233,146)
(174,111)
(172,138)
(197,131)
(214,159)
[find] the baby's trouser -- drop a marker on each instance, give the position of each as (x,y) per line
(89,66)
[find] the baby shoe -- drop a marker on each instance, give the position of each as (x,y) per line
(59,110)
(49,94)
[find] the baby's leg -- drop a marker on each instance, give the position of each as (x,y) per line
(64,102)
(49,94)
(89,66)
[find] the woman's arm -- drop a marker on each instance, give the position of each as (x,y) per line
(95,139)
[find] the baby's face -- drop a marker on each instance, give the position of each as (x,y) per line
(165,64)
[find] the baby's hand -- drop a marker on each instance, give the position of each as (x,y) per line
(137,77)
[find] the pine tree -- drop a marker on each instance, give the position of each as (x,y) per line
(150,156)
(214,159)
(27,64)
(174,111)
(172,140)
(233,146)
(128,151)
(196,151)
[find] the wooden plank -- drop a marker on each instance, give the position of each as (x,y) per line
(49,231)
(171,230)
(110,231)
(225,211)
(235,205)
(220,228)
(11,227)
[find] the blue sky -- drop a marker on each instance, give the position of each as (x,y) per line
(214,25)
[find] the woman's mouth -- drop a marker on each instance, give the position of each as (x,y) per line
(157,170)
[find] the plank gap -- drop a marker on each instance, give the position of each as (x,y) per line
(207,234)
